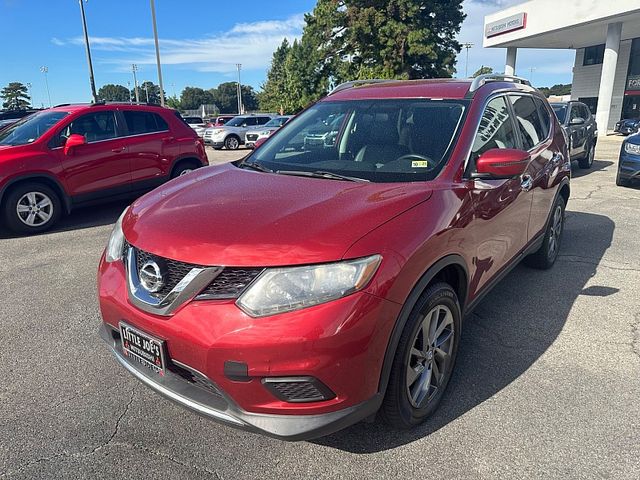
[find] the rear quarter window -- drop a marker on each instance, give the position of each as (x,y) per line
(139,123)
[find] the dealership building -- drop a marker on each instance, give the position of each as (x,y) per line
(605,35)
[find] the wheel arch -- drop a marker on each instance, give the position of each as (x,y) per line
(185,159)
(43,178)
(451,269)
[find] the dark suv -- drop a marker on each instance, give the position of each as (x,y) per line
(72,155)
(311,284)
(581,130)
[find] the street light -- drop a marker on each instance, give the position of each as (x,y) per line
(532,69)
(146,89)
(86,44)
(155,38)
(467,45)
(239,66)
(129,90)
(134,69)
(29,91)
(44,69)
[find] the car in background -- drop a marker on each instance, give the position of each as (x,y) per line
(629,162)
(73,155)
(628,126)
(220,120)
(581,129)
(296,292)
(232,134)
(265,131)
(16,114)
(197,123)
(5,123)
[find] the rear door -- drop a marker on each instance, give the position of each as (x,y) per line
(151,147)
(100,167)
(577,132)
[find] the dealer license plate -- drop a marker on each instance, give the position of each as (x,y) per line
(142,348)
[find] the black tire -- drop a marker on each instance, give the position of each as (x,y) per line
(547,254)
(184,167)
(621,182)
(217,148)
(587,161)
(401,407)
(232,142)
(41,205)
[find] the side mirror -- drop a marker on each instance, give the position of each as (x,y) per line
(259,142)
(577,121)
(72,142)
(500,163)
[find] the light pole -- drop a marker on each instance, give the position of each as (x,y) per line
(239,66)
(129,90)
(134,69)
(44,69)
(532,69)
(467,45)
(155,38)
(29,90)
(146,89)
(86,44)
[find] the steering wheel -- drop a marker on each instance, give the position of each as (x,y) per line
(417,156)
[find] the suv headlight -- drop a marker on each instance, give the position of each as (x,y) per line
(279,290)
(113,252)
(632,148)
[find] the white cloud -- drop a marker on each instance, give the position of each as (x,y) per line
(251,44)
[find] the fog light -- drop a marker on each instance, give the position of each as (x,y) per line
(298,389)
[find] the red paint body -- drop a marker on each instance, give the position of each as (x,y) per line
(103,169)
(235,217)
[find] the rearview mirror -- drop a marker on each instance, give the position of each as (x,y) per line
(500,163)
(72,142)
(577,121)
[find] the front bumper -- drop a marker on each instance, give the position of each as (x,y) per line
(629,166)
(212,143)
(219,407)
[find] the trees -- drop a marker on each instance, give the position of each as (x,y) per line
(482,71)
(192,97)
(114,93)
(150,90)
(559,90)
(359,39)
(226,97)
(15,96)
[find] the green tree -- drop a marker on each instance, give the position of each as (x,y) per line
(15,96)
(192,97)
(274,89)
(173,102)
(149,89)
(482,71)
(114,93)
(558,89)
(226,97)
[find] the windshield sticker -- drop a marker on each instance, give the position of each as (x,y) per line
(419,164)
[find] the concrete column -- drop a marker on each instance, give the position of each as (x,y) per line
(510,67)
(609,64)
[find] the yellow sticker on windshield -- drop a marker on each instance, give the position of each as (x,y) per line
(419,164)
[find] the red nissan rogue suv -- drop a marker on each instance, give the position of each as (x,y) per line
(325,277)
(73,155)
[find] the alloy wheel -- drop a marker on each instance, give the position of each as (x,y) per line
(430,356)
(185,171)
(555,232)
(232,143)
(34,209)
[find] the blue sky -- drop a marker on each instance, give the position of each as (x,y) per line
(200,43)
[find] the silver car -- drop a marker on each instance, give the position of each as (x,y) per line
(232,134)
(256,133)
(197,123)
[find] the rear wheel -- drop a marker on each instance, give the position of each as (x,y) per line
(31,208)
(232,142)
(547,254)
(424,358)
(587,161)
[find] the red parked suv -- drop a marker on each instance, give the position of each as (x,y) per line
(72,155)
(315,283)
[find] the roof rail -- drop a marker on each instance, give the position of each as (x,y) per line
(481,80)
(358,83)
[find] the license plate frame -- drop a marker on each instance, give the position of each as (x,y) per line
(143,348)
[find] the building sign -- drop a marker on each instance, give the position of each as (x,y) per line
(514,22)
(633,82)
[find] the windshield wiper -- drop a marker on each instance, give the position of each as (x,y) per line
(321,174)
(256,166)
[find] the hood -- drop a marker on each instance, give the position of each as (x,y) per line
(233,217)
(629,122)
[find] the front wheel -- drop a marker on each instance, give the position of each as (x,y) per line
(547,254)
(232,143)
(424,358)
(587,161)
(31,208)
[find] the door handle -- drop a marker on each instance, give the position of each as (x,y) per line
(526,183)
(118,149)
(168,139)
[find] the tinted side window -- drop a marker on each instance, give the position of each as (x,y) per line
(143,122)
(250,121)
(495,130)
(544,115)
(576,112)
(263,120)
(528,120)
(585,112)
(93,126)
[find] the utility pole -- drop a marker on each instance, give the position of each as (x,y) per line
(44,69)
(134,69)
(129,90)
(532,69)
(29,90)
(86,44)
(146,89)
(155,37)
(467,45)
(239,66)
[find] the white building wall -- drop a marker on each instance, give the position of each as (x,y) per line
(586,80)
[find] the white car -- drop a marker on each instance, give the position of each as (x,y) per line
(232,134)
(266,130)
(198,125)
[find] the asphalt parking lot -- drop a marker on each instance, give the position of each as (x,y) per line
(547,383)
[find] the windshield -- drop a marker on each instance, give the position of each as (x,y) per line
(375,140)
(30,128)
(561,111)
(236,122)
(276,122)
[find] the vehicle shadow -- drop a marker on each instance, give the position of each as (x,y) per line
(577,172)
(506,334)
(85,217)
